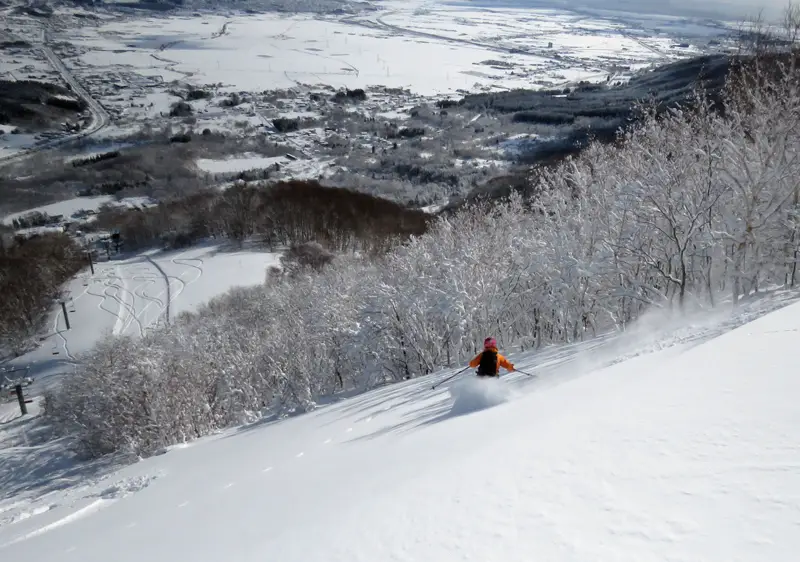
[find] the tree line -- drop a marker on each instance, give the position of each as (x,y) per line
(276,215)
(32,272)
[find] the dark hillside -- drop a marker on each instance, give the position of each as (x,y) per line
(590,111)
(37,105)
(599,110)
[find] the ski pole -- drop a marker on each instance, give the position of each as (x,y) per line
(524,373)
(449,378)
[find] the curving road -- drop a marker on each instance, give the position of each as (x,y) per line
(100,116)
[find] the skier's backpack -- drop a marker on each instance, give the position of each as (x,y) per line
(488,364)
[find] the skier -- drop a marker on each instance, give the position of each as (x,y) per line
(489,360)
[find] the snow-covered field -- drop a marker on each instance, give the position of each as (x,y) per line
(684,453)
(289,169)
(389,48)
(246,162)
(70,207)
(429,48)
(134,295)
(132,63)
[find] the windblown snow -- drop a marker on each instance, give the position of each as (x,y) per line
(689,453)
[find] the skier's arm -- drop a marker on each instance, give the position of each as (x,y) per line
(505,363)
(476,361)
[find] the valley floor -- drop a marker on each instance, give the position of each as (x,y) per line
(236,72)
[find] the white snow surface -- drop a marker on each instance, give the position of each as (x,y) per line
(684,454)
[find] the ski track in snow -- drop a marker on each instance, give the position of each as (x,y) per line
(74,516)
(103,300)
(126,308)
(171,294)
(59,314)
(64,342)
(138,316)
(124,286)
(113,284)
(186,263)
(99,500)
(142,290)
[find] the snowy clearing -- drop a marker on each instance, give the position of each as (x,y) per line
(685,453)
(134,295)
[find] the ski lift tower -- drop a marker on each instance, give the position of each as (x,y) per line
(14,380)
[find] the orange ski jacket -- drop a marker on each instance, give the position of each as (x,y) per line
(501,361)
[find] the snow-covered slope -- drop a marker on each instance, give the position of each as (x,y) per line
(690,453)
